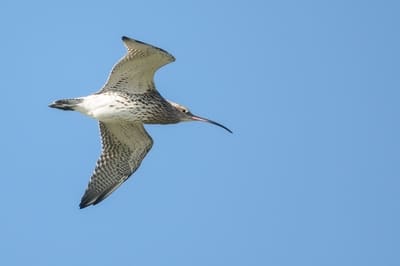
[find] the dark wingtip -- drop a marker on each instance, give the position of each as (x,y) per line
(84,204)
(85,201)
(124,38)
(91,198)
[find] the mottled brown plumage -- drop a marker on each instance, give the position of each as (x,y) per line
(128,100)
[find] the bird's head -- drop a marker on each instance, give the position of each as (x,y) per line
(185,115)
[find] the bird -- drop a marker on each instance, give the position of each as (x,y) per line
(127,101)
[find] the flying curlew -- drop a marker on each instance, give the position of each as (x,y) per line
(128,100)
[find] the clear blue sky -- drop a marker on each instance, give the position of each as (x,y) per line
(310,176)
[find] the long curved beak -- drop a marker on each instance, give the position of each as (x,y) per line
(202,119)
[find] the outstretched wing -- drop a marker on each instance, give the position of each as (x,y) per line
(124,147)
(135,71)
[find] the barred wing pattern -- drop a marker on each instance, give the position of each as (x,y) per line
(124,147)
(134,73)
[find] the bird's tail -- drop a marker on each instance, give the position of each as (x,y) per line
(66,104)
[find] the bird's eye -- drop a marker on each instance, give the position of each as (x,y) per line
(184,110)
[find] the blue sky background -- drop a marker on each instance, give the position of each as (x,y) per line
(310,176)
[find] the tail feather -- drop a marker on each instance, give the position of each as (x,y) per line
(66,104)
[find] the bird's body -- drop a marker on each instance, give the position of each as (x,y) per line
(128,100)
(148,108)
